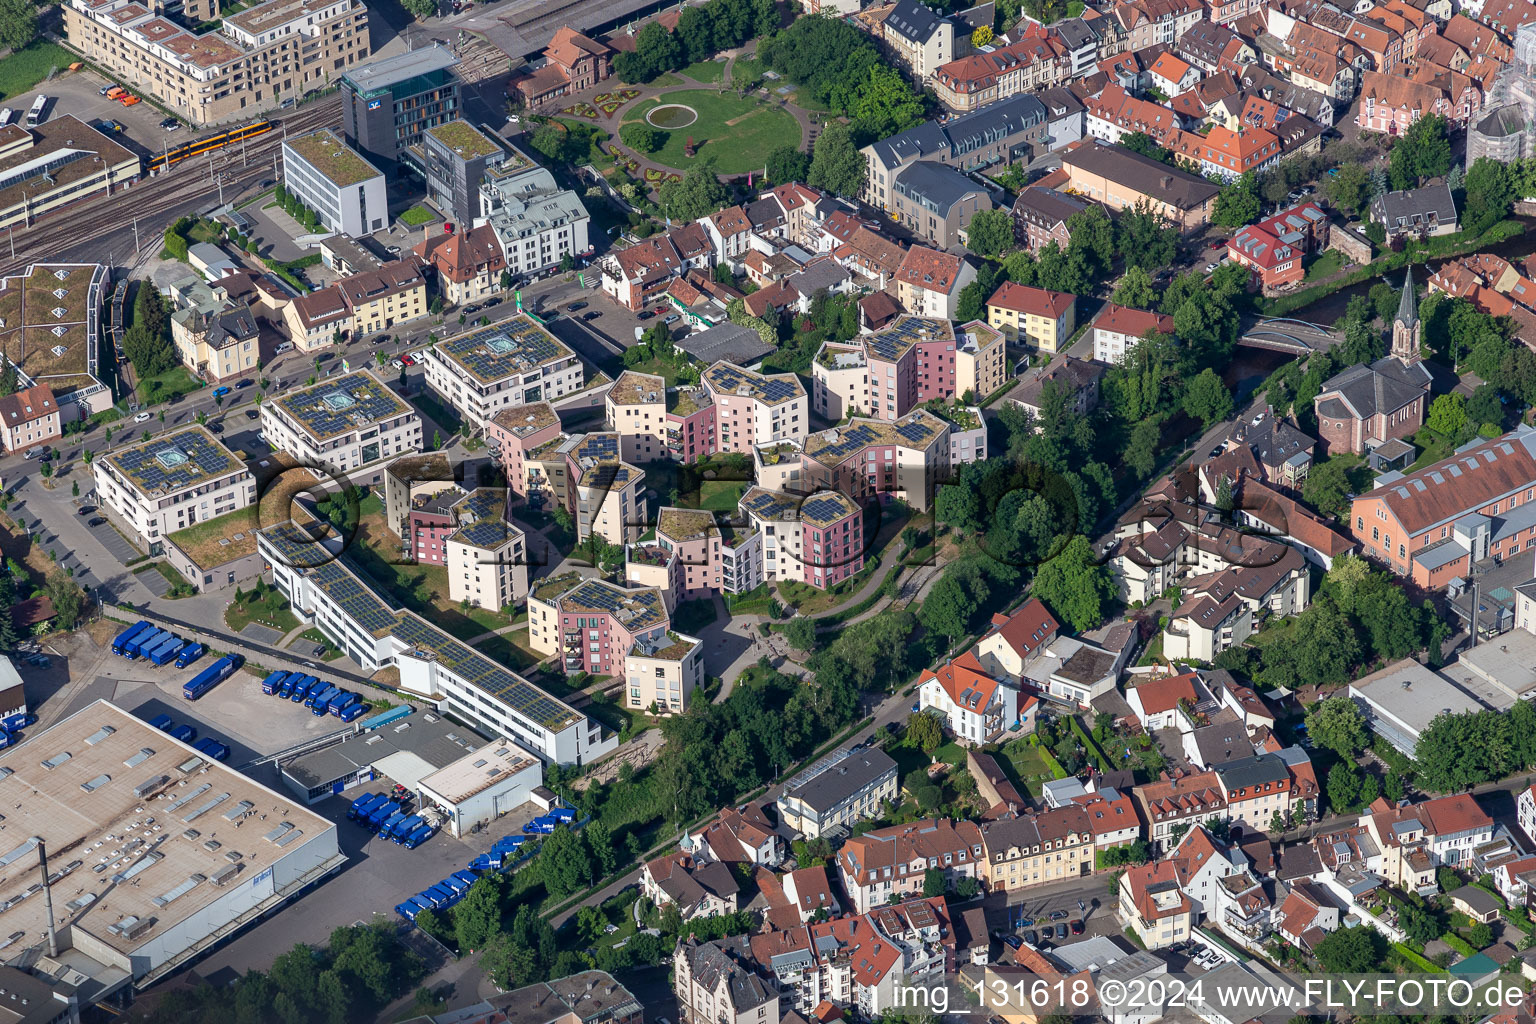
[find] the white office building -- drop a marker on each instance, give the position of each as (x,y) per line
(509,363)
(171,482)
(331,178)
(537,222)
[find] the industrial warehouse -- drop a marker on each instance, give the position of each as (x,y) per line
(152,851)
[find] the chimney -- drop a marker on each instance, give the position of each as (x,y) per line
(1166,180)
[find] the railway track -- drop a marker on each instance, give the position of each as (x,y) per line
(102,226)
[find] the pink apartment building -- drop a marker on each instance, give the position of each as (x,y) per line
(515,432)
(751,408)
(817,539)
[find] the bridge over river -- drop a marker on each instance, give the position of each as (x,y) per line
(1284,334)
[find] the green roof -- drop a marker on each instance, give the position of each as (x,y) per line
(464,139)
(327,154)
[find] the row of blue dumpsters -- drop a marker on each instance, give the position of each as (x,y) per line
(163,647)
(320,697)
(389,816)
(502,855)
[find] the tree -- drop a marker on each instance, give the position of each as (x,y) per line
(883,104)
(1480,935)
(564,863)
(800,631)
(982,36)
(1075,587)
(1140,142)
(926,731)
(951,604)
(1338,724)
(836,163)
(990,232)
(67,597)
(8,378)
(1421,925)
(1238,204)
(1489,194)
(1208,399)
(599,839)
(641,137)
(698,195)
(1448,417)
(478,916)
(1349,188)
(18,23)
(786,164)
(1351,951)
(1424,151)
(1135,289)
(933,883)
(1484,405)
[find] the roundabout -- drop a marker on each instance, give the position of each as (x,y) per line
(671,116)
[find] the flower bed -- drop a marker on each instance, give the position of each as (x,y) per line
(581,110)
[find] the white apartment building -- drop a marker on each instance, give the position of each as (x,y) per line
(537,222)
(486,557)
(347,425)
(842,789)
(171,482)
(974,706)
(325,591)
(1117,328)
(509,363)
(331,178)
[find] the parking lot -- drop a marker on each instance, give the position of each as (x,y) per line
(78,93)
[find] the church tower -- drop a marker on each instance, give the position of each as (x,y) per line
(1406,326)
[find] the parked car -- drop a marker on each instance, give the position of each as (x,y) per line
(670,319)
(35,452)
(247,382)
(1077,927)
(98,521)
(252,414)
(1058,915)
(220,392)
(573,307)
(106,88)
(141,417)
(217,428)
(593,315)
(1013,941)
(397,364)
(1061,931)
(1030,937)
(85,510)
(408,359)
(644,314)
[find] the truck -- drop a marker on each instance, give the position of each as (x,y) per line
(456,884)
(162,722)
(212,676)
(343,700)
(320,694)
(301,689)
(354,712)
(166,653)
(134,647)
(185,733)
(122,638)
(213,748)
(444,896)
(285,691)
(383,813)
(409,909)
(562,815)
(189,654)
(396,817)
(270,684)
(406,827)
(540,826)
(466,877)
(367,800)
(418,836)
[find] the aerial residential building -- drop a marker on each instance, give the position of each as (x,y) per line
(753,408)
(1040,215)
(913,360)
(329,177)
(1174,803)
(817,539)
(936,202)
(929,282)
(395,293)
(317,320)
(639,274)
(892,861)
(1273,248)
(716,982)
(973,705)
(742,835)
(1034,317)
(1226,154)
(1023,850)
(29,417)
(1444,829)
(973,82)
(217,340)
(168,483)
(1012,640)
(1077,378)
(919,39)
(1223,610)
(485,555)
(1256,789)
(1416,213)
(999,133)
(539,224)
(1117,328)
(347,425)
(840,790)
(636,410)
(387,104)
(468,263)
(256,59)
(585,475)
(512,433)
(1122,180)
(865,458)
(512,362)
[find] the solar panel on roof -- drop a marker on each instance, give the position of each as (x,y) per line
(822,510)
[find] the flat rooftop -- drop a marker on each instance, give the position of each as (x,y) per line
(523,420)
(469,142)
(335,407)
(175,462)
(516,345)
(891,343)
(323,150)
(1413,694)
(729,379)
(381,74)
(832,447)
(219,541)
(636,610)
(638,388)
(426,734)
(140,824)
(45,322)
(479,770)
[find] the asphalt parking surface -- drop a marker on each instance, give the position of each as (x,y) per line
(78,93)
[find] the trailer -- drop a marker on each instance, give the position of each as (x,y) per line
(122,638)
(321,695)
(148,648)
(166,653)
(213,748)
(343,700)
(540,826)
(353,713)
(466,877)
(270,684)
(185,733)
(189,654)
(456,884)
(134,647)
(561,815)
(409,909)
(20,720)
(162,722)
(212,676)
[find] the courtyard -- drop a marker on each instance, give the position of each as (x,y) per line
(738,132)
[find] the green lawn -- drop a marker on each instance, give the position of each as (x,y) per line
(1326,265)
(168,386)
(23,69)
(1030,771)
(706,71)
(721,495)
(272,610)
(738,133)
(417,216)
(665,81)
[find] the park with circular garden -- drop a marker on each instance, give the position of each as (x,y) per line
(738,132)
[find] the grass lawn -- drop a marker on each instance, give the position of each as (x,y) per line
(738,133)
(417,216)
(951,753)
(270,610)
(721,495)
(205,231)
(24,68)
(168,386)
(1432,448)
(807,600)
(706,71)
(665,370)
(1326,265)
(665,81)
(314,636)
(1030,771)
(746,68)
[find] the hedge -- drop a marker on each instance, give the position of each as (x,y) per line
(1416,959)
(1458,943)
(1089,744)
(1048,757)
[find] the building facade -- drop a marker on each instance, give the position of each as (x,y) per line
(327,176)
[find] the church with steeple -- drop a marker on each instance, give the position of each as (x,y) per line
(1368,405)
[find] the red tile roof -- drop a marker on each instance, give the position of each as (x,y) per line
(1022,298)
(930,269)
